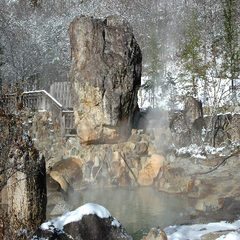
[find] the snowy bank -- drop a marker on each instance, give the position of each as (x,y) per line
(194,232)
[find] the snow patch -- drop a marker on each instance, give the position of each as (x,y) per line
(199,156)
(194,232)
(199,151)
(230,236)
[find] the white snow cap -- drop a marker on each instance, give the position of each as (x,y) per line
(76,215)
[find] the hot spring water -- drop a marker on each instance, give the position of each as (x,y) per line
(138,209)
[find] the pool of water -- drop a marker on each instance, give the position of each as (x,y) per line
(138,209)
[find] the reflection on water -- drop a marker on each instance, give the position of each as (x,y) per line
(138,209)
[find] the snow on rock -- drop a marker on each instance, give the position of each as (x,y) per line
(196,151)
(76,215)
(90,221)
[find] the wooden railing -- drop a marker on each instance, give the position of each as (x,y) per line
(42,101)
(68,124)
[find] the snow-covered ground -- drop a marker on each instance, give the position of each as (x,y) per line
(194,232)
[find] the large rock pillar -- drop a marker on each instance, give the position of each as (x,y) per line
(105,77)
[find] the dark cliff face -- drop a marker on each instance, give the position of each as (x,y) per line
(105,76)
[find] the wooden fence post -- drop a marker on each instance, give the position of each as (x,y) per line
(44,104)
(63,126)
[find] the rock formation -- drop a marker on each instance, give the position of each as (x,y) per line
(150,170)
(186,126)
(192,111)
(156,234)
(105,76)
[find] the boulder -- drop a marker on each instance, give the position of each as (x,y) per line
(210,203)
(141,148)
(90,221)
(192,111)
(156,234)
(174,181)
(61,207)
(220,137)
(186,126)
(52,184)
(54,197)
(134,138)
(151,170)
(235,130)
(60,179)
(217,137)
(69,169)
(105,77)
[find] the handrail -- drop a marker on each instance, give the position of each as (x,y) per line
(42,100)
(45,92)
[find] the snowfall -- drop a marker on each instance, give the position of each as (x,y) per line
(191,232)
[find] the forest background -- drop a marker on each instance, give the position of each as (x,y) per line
(190,47)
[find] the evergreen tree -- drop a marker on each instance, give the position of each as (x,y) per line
(171,87)
(231,46)
(194,67)
(1,63)
(1,81)
(154,65)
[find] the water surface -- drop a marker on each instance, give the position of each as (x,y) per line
(138,209)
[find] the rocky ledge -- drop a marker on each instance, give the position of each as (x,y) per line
(73,167)
(212,185)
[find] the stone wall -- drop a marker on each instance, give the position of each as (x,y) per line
(97,164)
(104,164)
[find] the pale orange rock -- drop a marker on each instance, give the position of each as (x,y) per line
(151,170)
(156,234)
